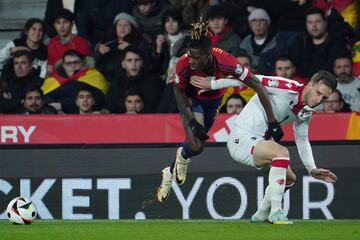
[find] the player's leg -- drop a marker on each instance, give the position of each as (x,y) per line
(263,211)
(191,147)
(205,113)
(269,152)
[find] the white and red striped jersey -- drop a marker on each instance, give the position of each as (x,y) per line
(285,96)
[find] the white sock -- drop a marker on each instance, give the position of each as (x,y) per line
(277,180)
(263,212)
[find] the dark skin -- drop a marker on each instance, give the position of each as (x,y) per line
(203,60)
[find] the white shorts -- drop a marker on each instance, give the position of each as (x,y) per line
(241,144)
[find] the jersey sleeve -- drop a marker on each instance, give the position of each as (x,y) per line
(233,67)
(301,129)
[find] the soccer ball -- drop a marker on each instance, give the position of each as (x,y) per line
(21,210)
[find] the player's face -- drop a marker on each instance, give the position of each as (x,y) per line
(198,59)
(217,24)
(316,93)
(333,103)
(316,25)
(284,69)
(234,105)
(123,28)
(343,70)
(134,104)
(85,101)
(33,102)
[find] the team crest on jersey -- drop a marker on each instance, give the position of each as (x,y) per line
(273,82)
(177,79)
(238,69)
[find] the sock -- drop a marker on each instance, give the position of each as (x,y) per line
(277,180)
(263,212)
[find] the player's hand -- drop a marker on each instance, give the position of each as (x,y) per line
(275,131)
(198,129)
(323,174)
(201,82)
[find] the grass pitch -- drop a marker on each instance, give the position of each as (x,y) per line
(179,230)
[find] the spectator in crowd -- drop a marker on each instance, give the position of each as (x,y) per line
(190,9)
(244,59)
(94,18)
(109,51)
(348,85)
(340,15)
(33,102)
(261,44)
(221,35)
(133,101)
(14,82)
(148,14)
(134,75)
(316,50)
(74,69)
(335,103)
(287,16)
(31,39)
(65,40)
(234,104)
(169,46)
(285,68)
(85,99)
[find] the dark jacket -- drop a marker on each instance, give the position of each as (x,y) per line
(310,58)
(16,87)
(151,87)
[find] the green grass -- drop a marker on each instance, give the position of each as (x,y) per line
(180,230)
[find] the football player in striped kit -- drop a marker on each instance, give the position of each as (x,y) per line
(249,142)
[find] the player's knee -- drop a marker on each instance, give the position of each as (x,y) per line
(196,148)
(282,152)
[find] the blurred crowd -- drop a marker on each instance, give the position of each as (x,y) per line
(111,56)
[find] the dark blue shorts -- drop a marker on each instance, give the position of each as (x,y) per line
(209,108)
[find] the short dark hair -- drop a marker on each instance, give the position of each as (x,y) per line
(232,96)
(315,10)
(284,58)
(132,92)
(64,13)
(344,56)
(84,87)
(140,2)
(199,36)
(73,52)
(174,14)
(132,49)
(215,11)
(327,78)
(33,88)
(25,53)
(243,54)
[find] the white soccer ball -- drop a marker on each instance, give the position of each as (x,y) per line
(21,210)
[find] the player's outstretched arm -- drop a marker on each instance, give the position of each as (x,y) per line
(324,175)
